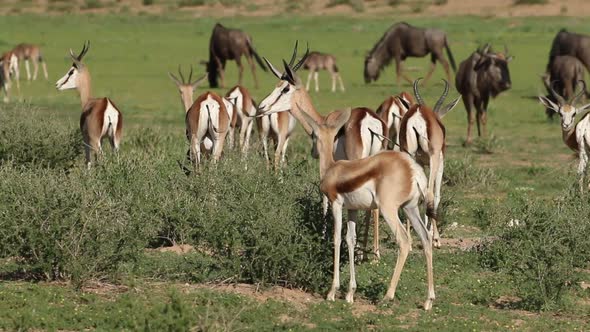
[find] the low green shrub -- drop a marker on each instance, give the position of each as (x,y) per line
(540,244)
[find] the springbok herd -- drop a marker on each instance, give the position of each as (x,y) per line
(368,160)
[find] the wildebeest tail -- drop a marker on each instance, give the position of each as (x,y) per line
(450,55)
(256,56)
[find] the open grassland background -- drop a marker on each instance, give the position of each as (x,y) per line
(58,222)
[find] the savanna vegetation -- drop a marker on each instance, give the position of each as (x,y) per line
(83,249)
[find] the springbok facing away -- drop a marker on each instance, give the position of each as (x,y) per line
(565,71)
(391,111)
(31,52)
(481,76)
(401,41)
(230,44)
(422,134)
(317,61)
(207,123)
(575,135)
(245,111)
(100,117)
(356,141)
(386,181)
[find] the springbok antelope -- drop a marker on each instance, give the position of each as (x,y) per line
(575,135)
(317,61)
(422,135)
(31,52)
(387,181)
(186,89)
(355,141)
(207,123)
(245,111)
(392,111)
(100,117)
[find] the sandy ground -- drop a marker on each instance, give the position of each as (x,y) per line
(407,8)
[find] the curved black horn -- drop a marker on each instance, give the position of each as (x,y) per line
(84,50)
(181,76)
(579,94)
(557,96)
(442,97)
(302,60)
(190,75)
(294,54)
(416,93)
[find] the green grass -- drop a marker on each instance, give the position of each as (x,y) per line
(129,58)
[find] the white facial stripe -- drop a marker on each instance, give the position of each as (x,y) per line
(277,100)
(68,81)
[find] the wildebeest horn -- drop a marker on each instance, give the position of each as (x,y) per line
(416,93)
(557,96)
(486,48)
(181,76)
(582,91)
(302,60)
(442,97)
(294,54)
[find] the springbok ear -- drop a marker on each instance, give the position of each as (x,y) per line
(308,119)
(404,103)
(289,73)
(196,83)
(549,104)
(443,111)
(582,108)
(342,119)
(510,58)
(483,63)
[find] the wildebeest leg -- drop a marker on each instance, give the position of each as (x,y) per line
(431,70)
(240,69)
(468,102)
(221,69)
(484,115)
(399,72)
(253,69)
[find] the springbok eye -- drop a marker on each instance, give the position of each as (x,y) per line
(71,72)
(285,90)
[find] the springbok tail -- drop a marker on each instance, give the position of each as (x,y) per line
(450,55)
(256,56)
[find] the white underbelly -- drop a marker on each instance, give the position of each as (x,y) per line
(362,198)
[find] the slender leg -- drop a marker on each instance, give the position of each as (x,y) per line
(28,69)
(402,238)
(333,81)
(340,80)
(279,149)
(45,70)
(195,148)
(253,68)
(582,167)
(308,79)
(284,151)
(435,165)
(35,69)
(437,188)
(315,78)
(351,243)
(365,237)
(430,71)
(337,213)
(413,214)
(375,213)
(400,73)
(248,133)
(240,70)
(468,102)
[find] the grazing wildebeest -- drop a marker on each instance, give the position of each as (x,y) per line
(569,43)
(230,44)
(564,73)
(481,76)
(317,61)
(403,40)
